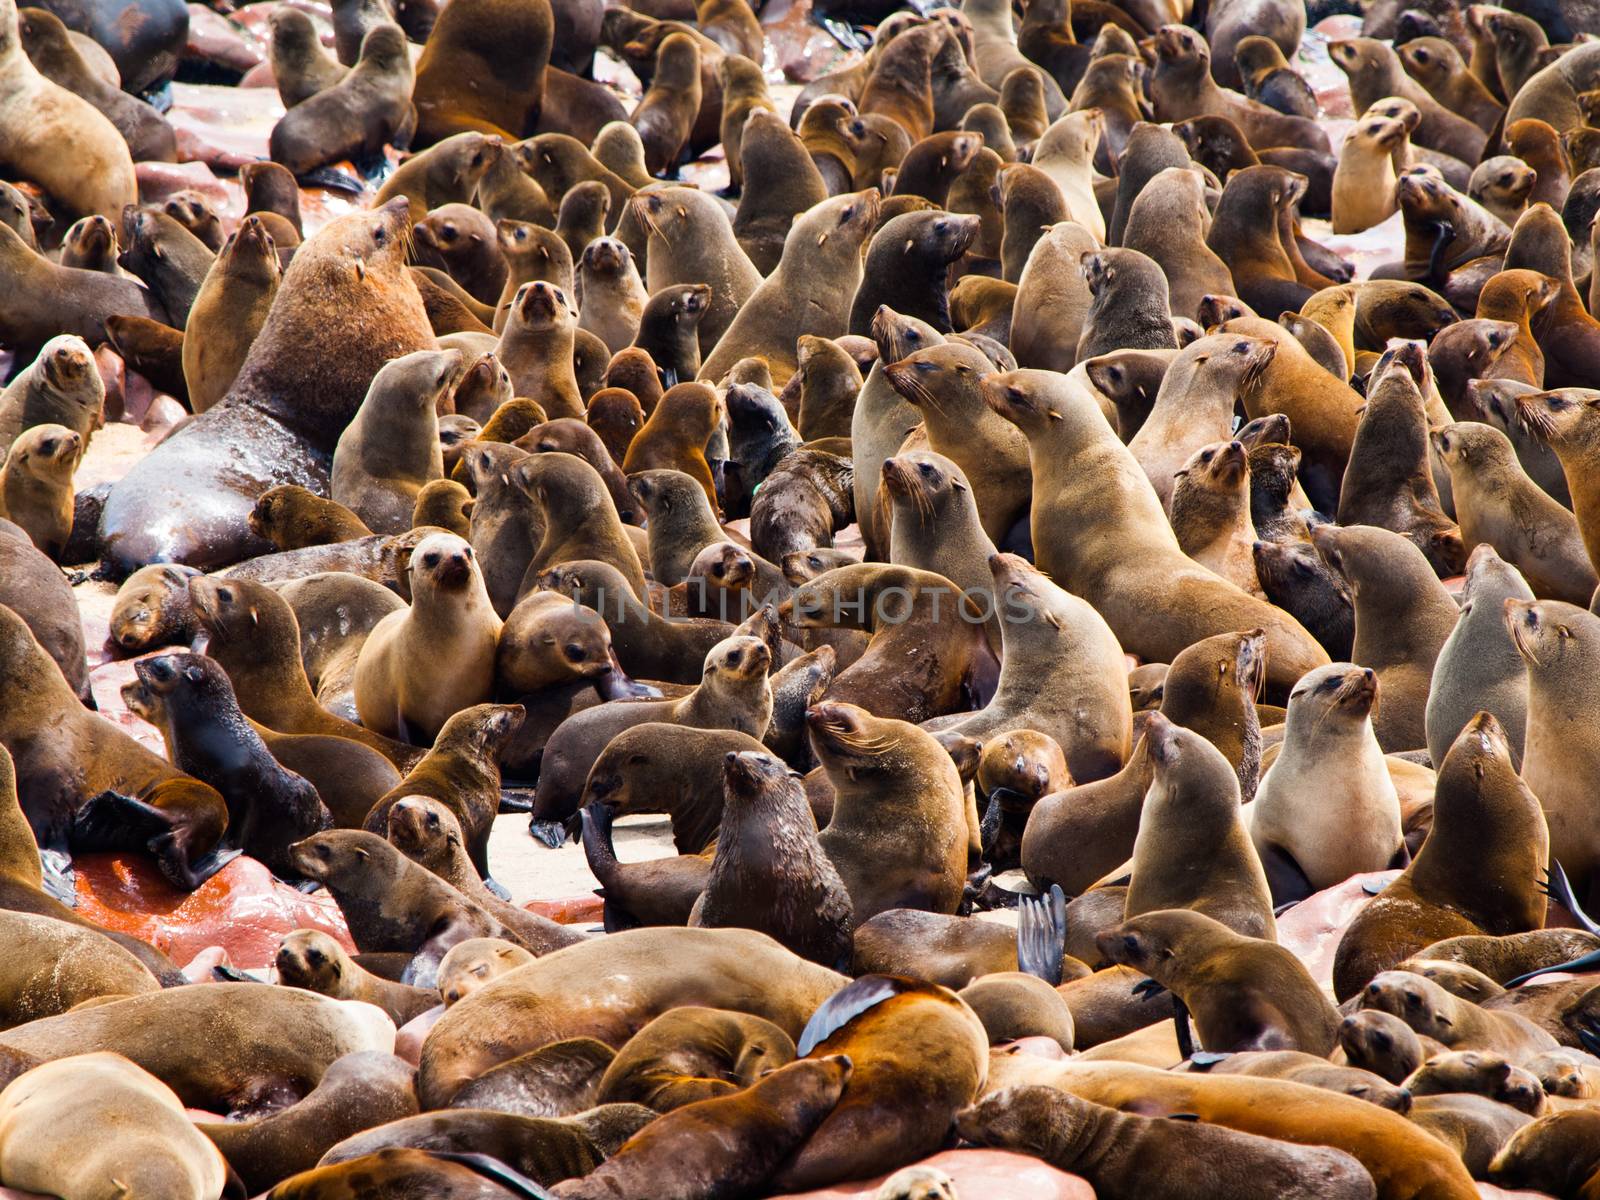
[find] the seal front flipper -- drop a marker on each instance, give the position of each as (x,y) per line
(1180,1018)
(602,858)
(989,826)
(1042,935)
(552,833)
(1443,235)
(1588,962)
(1285,878)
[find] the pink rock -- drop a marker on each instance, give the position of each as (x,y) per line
(986,1174)
(109,363)
(259,76)
(1313,927)
(408,1041)
(157,181)
(242,909)
(215,39)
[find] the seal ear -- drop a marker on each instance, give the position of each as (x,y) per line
(255,616)
(194,674)
(362,853)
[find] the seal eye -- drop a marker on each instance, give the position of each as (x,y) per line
(574,651)
(225,595)
(430,560)
(380,235)
(735,657)
(927,470)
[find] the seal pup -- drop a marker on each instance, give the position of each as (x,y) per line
(1557,643)
(1403,618)
(390,450)
(1305,844)
(450,615)
(1479,668)
(1117,1152)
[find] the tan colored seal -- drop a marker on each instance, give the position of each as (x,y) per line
(451,626)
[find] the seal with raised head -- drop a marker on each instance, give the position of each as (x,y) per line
(345,307)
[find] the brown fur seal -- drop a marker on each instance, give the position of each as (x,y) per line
(474,43)
(427,832)
(98,176)
(1244,993)
(472,963)
(1556,640)
(450,613)
(1066,435)
(907,611)
(1496,502)
(890,778)
(152,609)
(1375,73)
(1181,86)
(301,65)
(390,449)
(291,517)
(580,520)
(357,1091)
(796,897)
(1450,1020)
(189,698)
(356,117)
(252,632)
(675,436)
(1479,668)
(823,251)
(304,378)
(1075,690)
(881,1023)
(313,1032)
(556,997)
(692,1053)
(310,959)
(1174,829)
(391,903)
(1211,513)
(36,485)
(734,693)
(1478,792)
(742,1137)
(1076,836)
(1388,481)
(1117,1152)
(461,772)
(154,1150)
(1403,617)
(92,782)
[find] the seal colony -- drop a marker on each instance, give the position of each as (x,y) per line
(1093,553)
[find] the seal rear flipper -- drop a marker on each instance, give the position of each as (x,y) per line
(849,1002)
(1589,962)
(226,973)
(1558,887)
(977,882)
(173,861)
(552,833)
(516,800)
(59,881)
(495,1171)
(1286,881)
(1042,935)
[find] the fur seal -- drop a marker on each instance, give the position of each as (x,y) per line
(282,416)
(1188,772)
(390,449)
(310,959)
(1554,641)
(1479,668)
(1117,1151)
(890,778)
(461,772)
(98,176)
(208,737)
(291,517)
(806,906)
(692,1053)
(1496,501)
(1478,792)
(822,251)
(356,117)
(154,1150)
(36,485)
(450,611)
(1403,617)
(1069,439)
